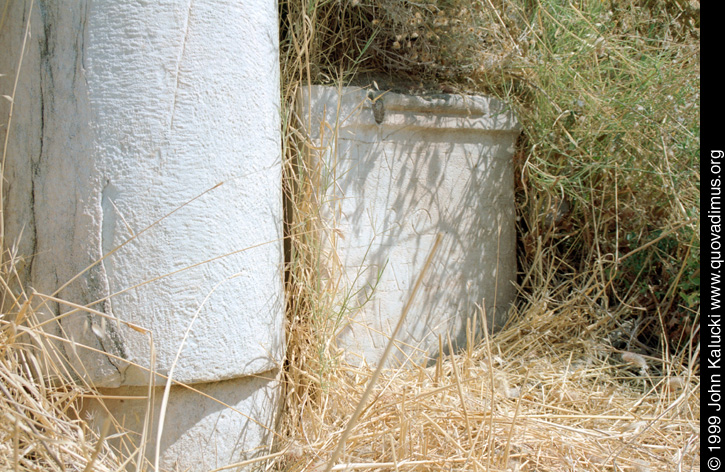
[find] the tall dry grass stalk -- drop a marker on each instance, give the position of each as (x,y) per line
(41,426)
(598,366)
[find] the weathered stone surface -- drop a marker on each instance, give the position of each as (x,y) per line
(128,116)
(199,434)
(397,170)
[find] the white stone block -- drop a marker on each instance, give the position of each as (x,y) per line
(397,170)
(200,433)
(127,117)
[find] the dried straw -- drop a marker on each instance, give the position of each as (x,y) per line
(517,401)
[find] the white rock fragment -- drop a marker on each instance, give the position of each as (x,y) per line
(396,171)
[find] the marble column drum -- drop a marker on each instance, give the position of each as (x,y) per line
(395,171)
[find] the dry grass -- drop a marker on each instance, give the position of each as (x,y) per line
(591,373)
(547,393)
(41,428)
(598,367)
(516,402)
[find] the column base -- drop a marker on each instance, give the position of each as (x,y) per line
(199,433)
